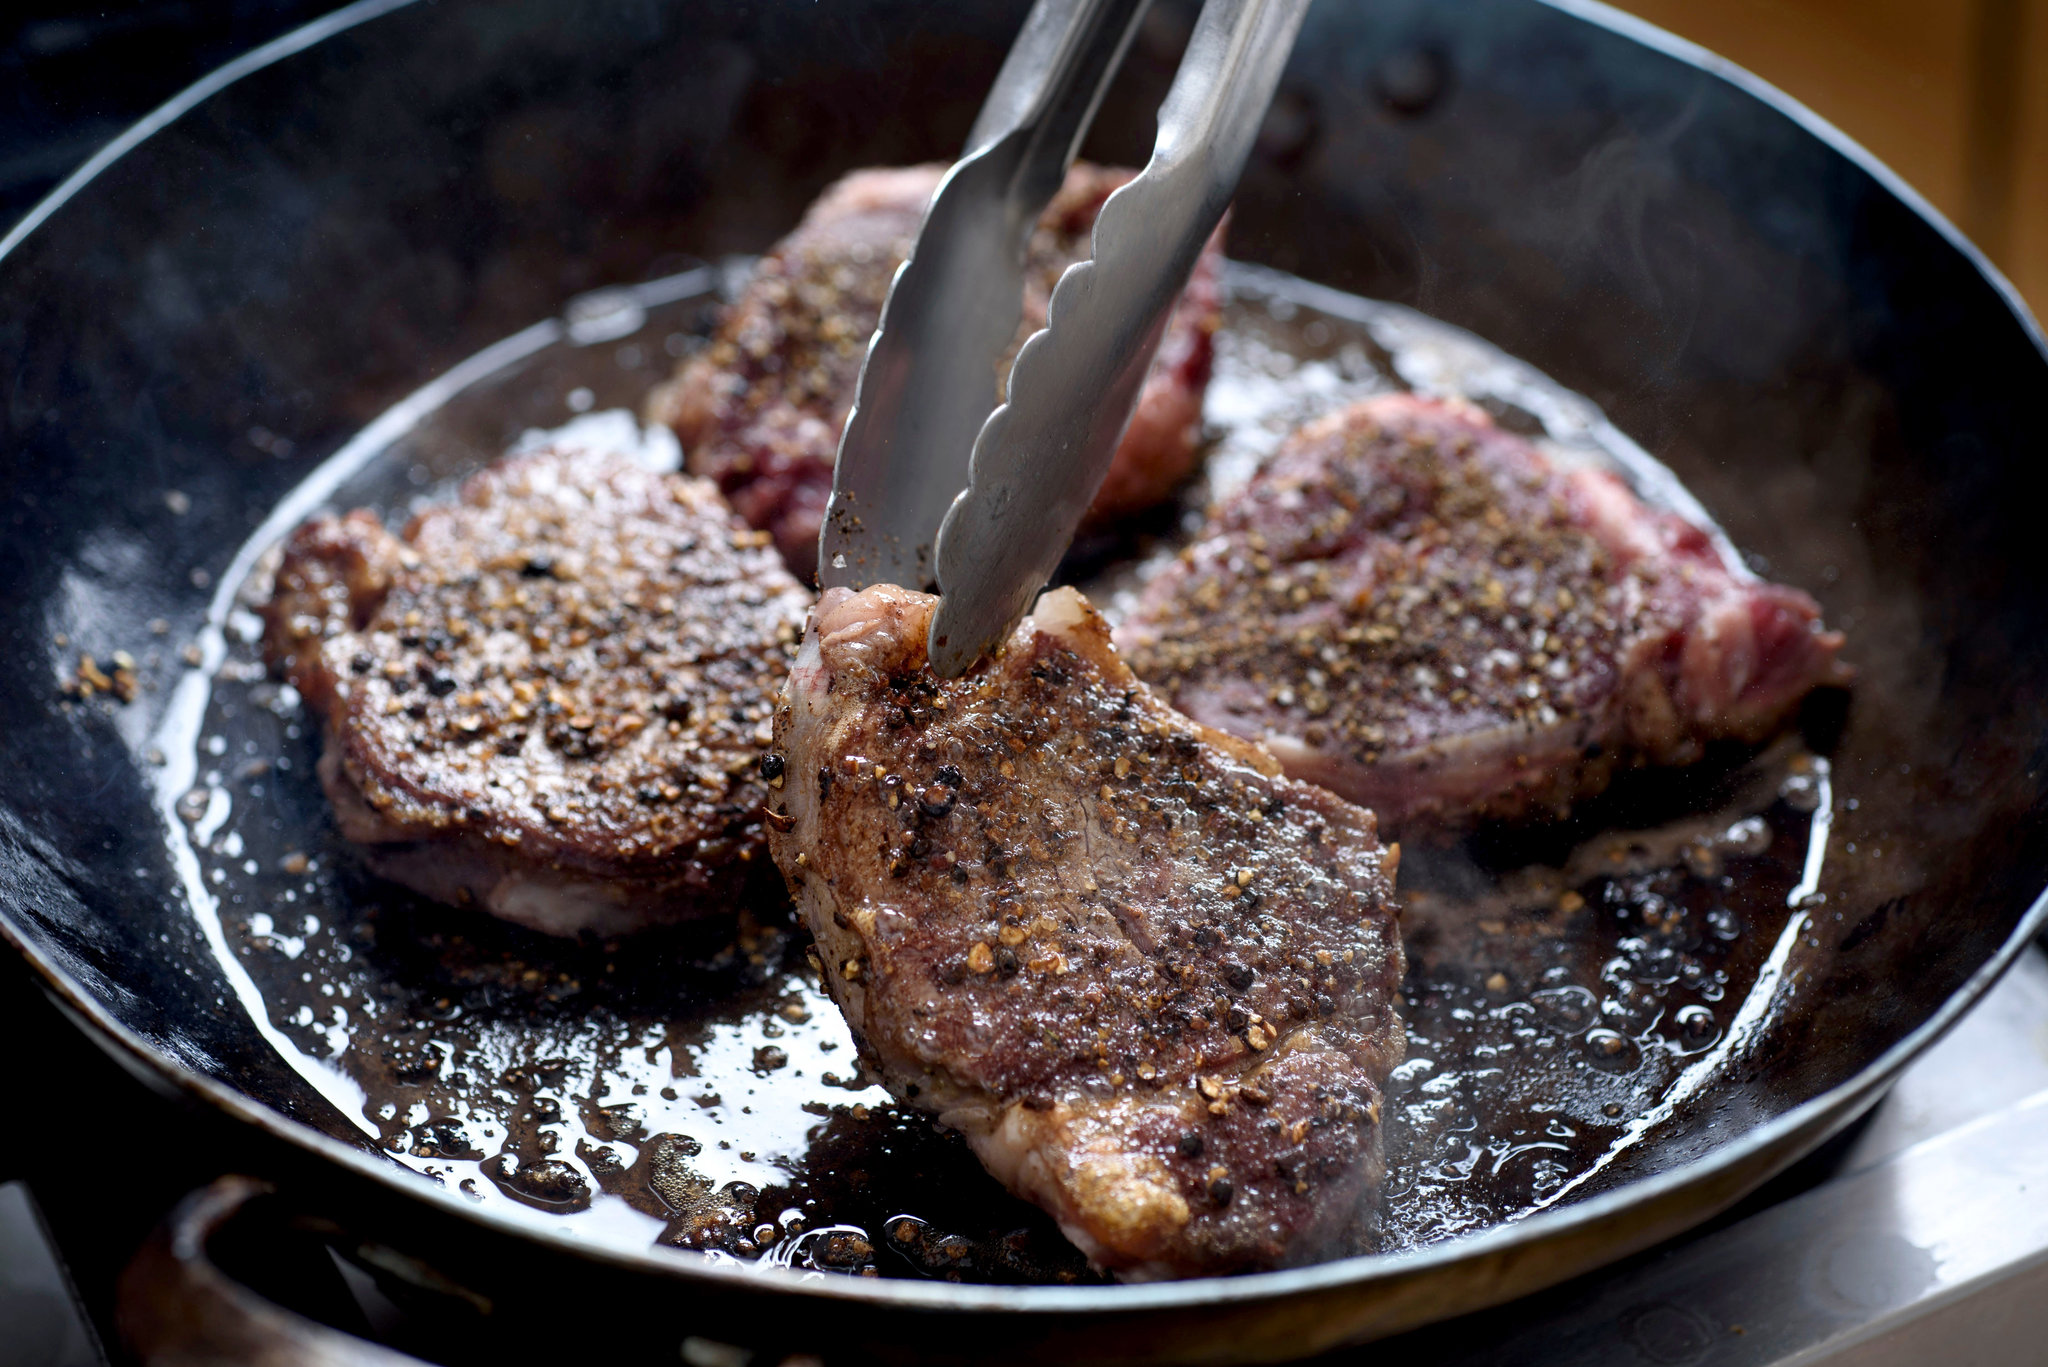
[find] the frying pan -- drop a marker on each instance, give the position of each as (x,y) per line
(297,242)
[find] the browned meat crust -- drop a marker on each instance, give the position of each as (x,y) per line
(1151,979)
(1427,615)
(550,698)
(760,409)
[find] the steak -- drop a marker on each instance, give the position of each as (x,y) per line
(1151,979)
(1426,614)
(759,410)
(550,698)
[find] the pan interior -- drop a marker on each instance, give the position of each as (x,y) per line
(1573,989)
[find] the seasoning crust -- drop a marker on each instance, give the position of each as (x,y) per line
(1149,977)
(551,696)
(1428,615)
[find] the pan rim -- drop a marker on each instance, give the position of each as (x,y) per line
(1846,1100)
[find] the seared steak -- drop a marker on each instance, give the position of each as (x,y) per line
(1151,979)
(760,408)
(1427,615)
(550,698)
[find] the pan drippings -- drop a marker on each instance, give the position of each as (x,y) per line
(1568,985)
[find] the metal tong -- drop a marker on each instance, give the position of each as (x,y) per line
(931,486)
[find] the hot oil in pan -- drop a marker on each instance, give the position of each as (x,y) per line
(696,1087)
(1555,1010)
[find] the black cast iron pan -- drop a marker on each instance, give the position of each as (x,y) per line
(299,242)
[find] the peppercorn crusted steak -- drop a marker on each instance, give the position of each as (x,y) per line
(1148,977)
(1425,614)
(760,409)
(551,697)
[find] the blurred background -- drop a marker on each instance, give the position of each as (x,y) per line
(1953,94)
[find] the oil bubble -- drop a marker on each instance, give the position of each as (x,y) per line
(1631,1006)
(1801,792)
(1569,1009)
(1751,835)
(1696,1028)
(1611,1051)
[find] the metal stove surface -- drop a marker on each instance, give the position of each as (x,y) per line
(1920,1237)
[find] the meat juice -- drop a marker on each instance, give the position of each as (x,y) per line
(1574,989)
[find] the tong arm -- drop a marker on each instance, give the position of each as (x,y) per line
(1041,456)
(929,378)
